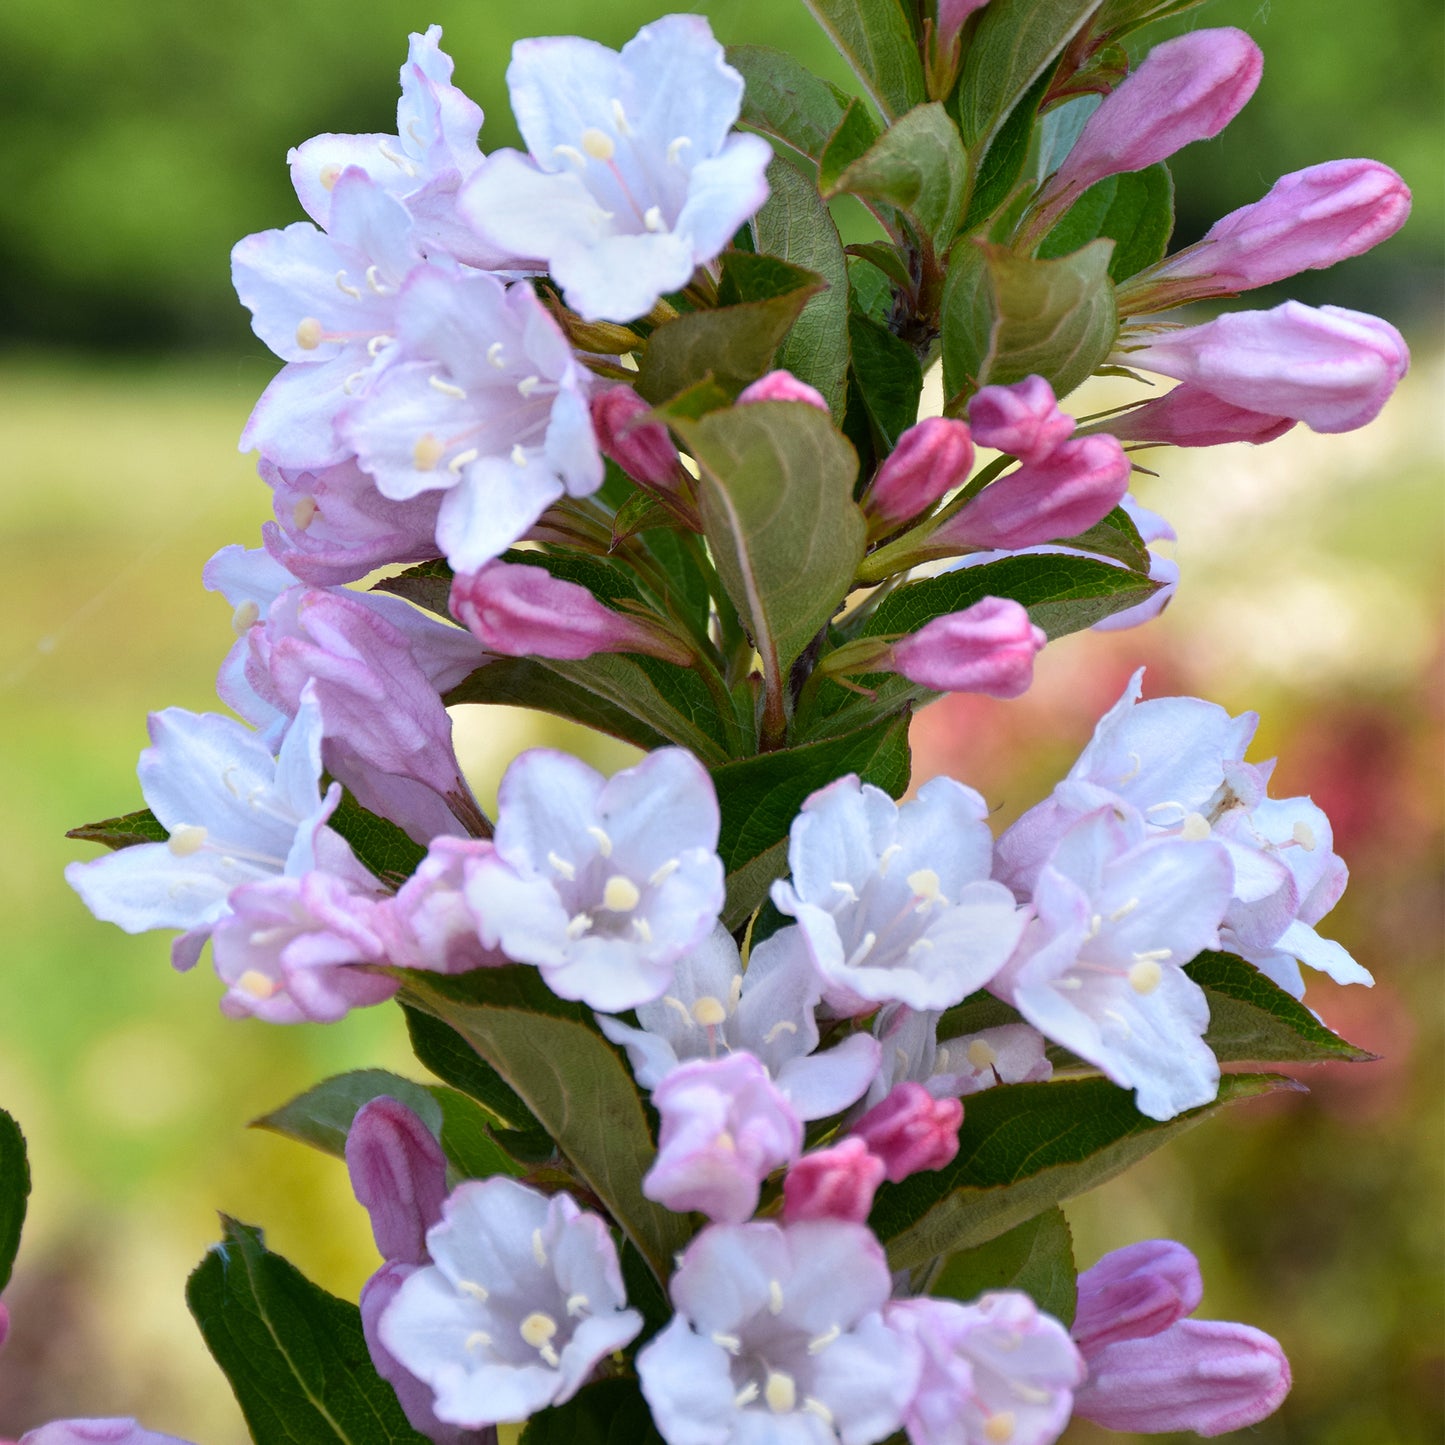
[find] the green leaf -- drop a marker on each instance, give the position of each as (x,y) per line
(294,1354)
(123,832)
(611,1412)
(1062,594)
(917,165)
(886,258)
(785,99)
(570,1079)
(888,377)
(427,584)
(776,493)
(1024,1148)
(758,276)
(1014,43)
(1135,211)
(1114,536)
(14,1192)
(1006,317)
(875,38)
(850,141)
(525,682)
(449,1056)
(794,223)
(1117,18)
(1036,1256)
(1003,161)
(389,853)
(733,345)
(1253,1020)
(761,796)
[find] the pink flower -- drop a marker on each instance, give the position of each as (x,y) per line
(930,460)
(643,449)
(1189,416)
(911,1130)
(987,648)
(1023,419)
(399,1175)
(834,1183)
(782,386)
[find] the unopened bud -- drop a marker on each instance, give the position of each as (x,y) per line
(1023,420)
(929,461)
(1189,416)
(519,610)
(782,386)
(951,16)
(835,1183)
(1080,482)
(399,1174)
(643,449)
(1135,1292)
(987,648)
(1327,367)
(911,1130)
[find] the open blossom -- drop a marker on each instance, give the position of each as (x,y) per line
(1330,368)
(483,400)
(602,883)
(326,303)
(997,1370)
(713,1007)
(234,814)
(896,903)
(725,1128)
(522,1298)
(1152,1370)
(97,1432)
(633,178)
(779,1337)
(1100,969)
(429,924)
(423,165)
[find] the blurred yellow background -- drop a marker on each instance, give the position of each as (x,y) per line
(141,145)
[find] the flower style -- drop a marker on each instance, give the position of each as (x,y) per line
(634,179)
(423,165)
(603,884)
(712,1006)
(484,400)
(779,1337)
(326,303)
(522,1298)
(895,903)
(234,814)
(1101,966)
(996,1370)
(725,1128)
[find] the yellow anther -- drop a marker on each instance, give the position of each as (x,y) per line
(186,839)
(304,512)
(814,1406)
(746,1395)
(620,894)
(1304,835)
(733,1345)
(709,1012)
(652,219)
(245,617)
(735,993)
(427,452)
(664,872)
(539,1253)
(1196,827)
(329,175)
(478,1292)
(817,1346)
(578,924)
(462,461)
(775,1297)
(257,984)
(726,1142)
(783,1026)
(529,384)
(675,149)
(604,843)
(310,333)
(478,1340)
(849,892)
(373,279)
(519,455)
(1123,910)
(1000,1427)
(981,1054)
(1145,975)
(673,1002)
(446,388)
(597,144)
(346,288)
(577,1304)
(780,1392)
(494,356)
(887,856)
(562,866)
(571,155)
(643,929)
(924,883)
(619,118)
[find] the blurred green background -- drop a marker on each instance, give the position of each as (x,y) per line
(141,142)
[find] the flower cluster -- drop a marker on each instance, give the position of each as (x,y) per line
(585,397)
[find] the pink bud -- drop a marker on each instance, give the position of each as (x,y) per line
(1186,89)
(988,648)
(951,16)
(835,1183)
(1023,420)
(1080,482)
(399,1174)
(523,611)
(1189,416)
(911,1130)
(1202,1375)
(643,449)
(930,459)
(1327,367)
(1136,1292)
(428,924)
(782,386)
(1309,220)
